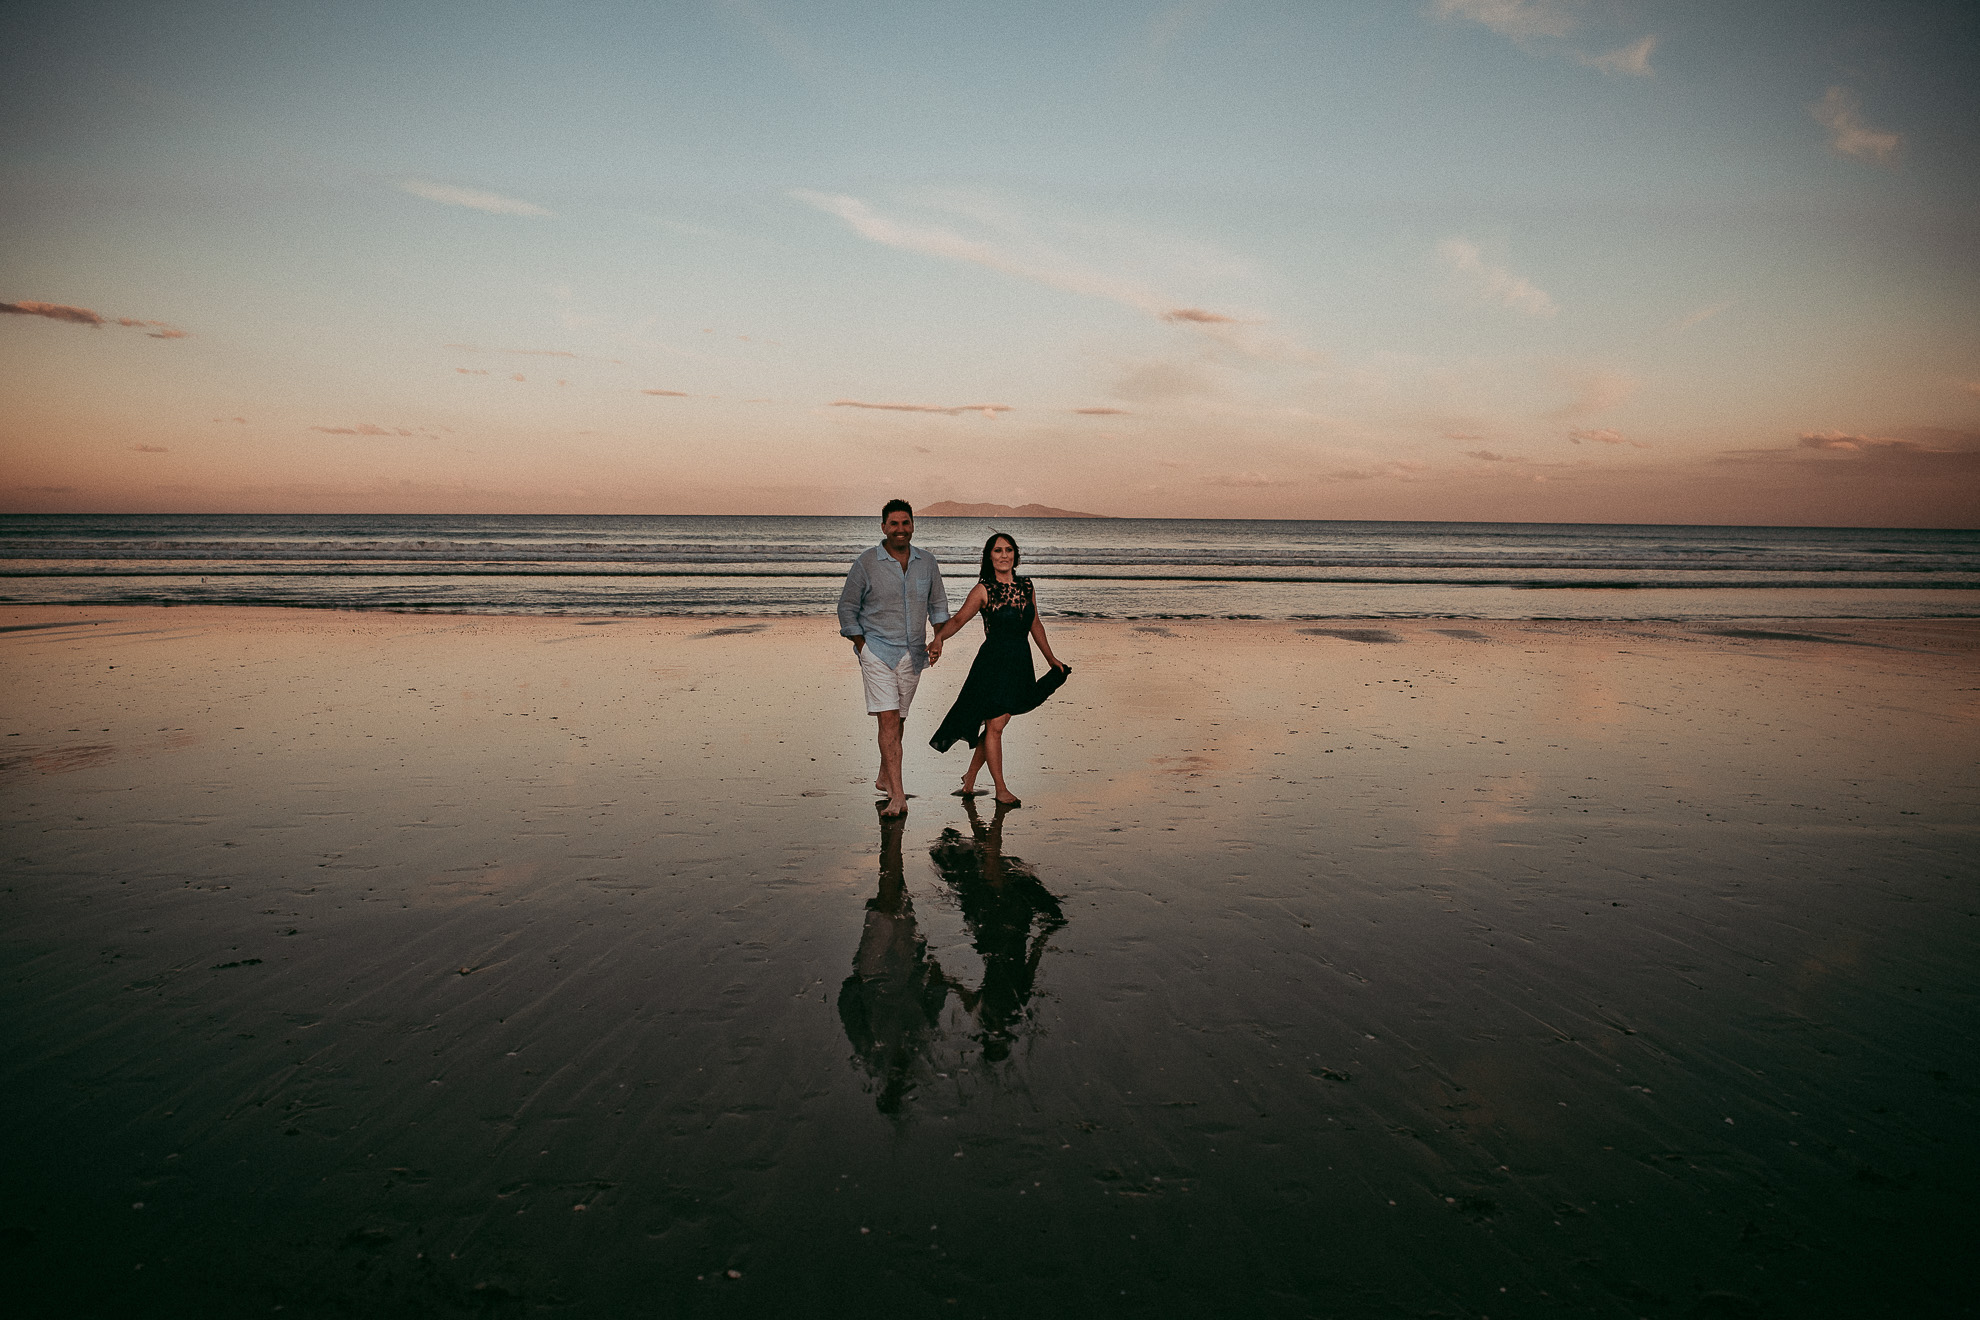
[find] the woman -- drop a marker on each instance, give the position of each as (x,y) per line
(1001,681)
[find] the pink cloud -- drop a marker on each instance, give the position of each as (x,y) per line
(1462,435)
(1841,113)
(1487,456)
(151,449)
(1922,450)
(471,371)
(1197,316)
(1103,412)
(53,311)
(163,330)
(362,428)
(1865,443)
(669,394)
(987,409)
(84,316)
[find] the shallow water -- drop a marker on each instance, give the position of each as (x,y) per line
(1103,568)
(1629,974)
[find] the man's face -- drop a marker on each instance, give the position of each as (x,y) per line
(898,529)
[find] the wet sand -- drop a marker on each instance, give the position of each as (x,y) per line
(435,965)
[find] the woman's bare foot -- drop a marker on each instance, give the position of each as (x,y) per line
(896,806)
(969,788)
(1012,801)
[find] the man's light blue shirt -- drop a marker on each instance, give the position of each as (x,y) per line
(891,607)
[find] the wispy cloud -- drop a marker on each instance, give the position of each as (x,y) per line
(1018,253)
(151,449)
(1842,440)
(1591,390)
(1929,452)
(84,316)
(1039,265)
(987,409)
(669,394)
(1103,412)
(362,428)
(1488,456)
(472,198)
(1538,25)
(1245,480)
(1631,61)
(155,329)
(53,312)
(539,352)
(1516,18)
(1197,316)
(1463,435)
(1493,282)
(1604,436)
(1841,112)
(472,371)
(1394,469)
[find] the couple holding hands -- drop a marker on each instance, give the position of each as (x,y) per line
(893,594)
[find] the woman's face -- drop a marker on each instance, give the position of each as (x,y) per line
(1003,556)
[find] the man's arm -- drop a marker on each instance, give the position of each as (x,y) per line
(851,597)
(938,595)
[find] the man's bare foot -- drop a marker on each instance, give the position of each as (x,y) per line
(895,807)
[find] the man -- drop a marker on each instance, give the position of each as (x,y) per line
(893,593)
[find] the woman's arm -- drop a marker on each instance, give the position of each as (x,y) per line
(1038,635)
(971,604)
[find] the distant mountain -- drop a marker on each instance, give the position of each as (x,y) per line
(951,509)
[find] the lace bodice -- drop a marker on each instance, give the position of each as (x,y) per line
(1009,608)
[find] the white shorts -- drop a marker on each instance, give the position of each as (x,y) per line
(888,689)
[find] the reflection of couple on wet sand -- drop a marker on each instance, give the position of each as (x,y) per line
(893,1001)
(893,594)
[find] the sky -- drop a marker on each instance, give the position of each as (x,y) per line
(1640,261)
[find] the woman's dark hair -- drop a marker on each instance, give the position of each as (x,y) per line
(988,573)
(896,506)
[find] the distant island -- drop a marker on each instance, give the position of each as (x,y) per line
(951,509)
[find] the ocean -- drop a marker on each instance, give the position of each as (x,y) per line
(1155,568)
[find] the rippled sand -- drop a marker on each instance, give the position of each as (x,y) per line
(431,965)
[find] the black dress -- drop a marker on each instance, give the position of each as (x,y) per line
(1001,680)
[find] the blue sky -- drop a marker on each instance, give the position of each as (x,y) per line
(1529,259)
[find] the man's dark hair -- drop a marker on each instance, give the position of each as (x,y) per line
(896,506)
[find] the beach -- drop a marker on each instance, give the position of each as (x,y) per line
(394,963)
